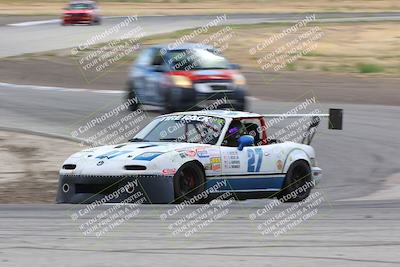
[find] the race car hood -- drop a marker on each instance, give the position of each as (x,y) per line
(216,74)
(137,148)
(115,157)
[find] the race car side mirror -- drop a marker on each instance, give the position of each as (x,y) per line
(245,140)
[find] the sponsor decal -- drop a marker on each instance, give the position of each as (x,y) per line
(172,118)
(201,153)
(191,153)
(100,163)
(196,118)
(215,160)
(234,164)
(216,167)
(200,118)
(231,160)
(220,121)
(168,171)
(213,152)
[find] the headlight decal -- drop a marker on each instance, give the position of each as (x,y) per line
(148,156)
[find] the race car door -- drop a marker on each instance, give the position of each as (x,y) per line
(255,168)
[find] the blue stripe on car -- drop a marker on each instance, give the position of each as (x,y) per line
(245,183)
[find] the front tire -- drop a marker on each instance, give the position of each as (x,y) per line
(168,106)
(132,96)
(298,175)
(97,21)
(189,181)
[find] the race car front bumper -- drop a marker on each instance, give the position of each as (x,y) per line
(85,189)
(73,19)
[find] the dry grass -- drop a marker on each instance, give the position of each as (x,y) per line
(178,7)
(368,47)
(345,47)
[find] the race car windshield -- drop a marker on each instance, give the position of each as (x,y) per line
(183,129)
(196,59)
(76,6)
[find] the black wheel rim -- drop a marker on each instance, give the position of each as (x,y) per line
(187,182)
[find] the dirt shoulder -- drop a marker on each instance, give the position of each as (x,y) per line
(190,7)
(30,164)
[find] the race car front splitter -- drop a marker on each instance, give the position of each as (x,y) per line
(85,189)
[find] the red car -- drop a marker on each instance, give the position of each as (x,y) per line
(81,12)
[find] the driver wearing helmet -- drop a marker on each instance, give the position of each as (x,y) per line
(236,129)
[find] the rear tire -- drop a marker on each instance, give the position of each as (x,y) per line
(189,181)
(299,174)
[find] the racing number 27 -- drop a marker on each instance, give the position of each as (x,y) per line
(254,159)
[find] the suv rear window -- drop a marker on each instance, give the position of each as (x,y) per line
(80,6)
(196,59)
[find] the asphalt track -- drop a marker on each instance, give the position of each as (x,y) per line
(356,164)
(50,36)
(341,234)
(355,161)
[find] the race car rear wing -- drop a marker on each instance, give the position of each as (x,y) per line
(335,117)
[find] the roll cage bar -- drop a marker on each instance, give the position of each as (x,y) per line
(335,117)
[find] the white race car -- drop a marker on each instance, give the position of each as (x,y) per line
(177,157)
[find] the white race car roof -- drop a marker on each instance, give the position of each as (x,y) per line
(218,113)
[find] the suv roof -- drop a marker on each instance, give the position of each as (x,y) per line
(82,2)
(183,46)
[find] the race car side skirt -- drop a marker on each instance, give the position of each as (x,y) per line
(247,183)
